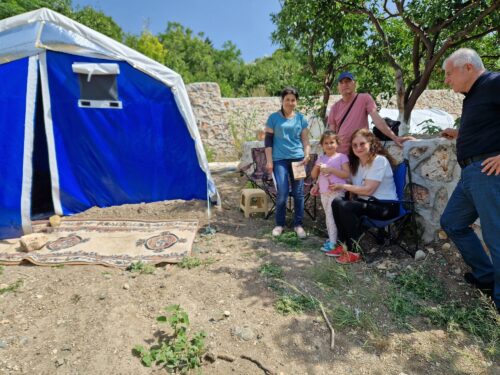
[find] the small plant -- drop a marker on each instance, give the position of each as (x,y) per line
(331,274)
(295,304)
(344,316)
(12,287)
(479,318)
(142,268)
(289,239)
(401,304)
(210,154)
(176,352)
(271,270)
(428,127)
(418,282)
(189,262)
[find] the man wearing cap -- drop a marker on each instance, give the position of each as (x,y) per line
(351,113)
(477,193)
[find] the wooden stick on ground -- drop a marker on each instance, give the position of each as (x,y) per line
(262,367)
(332,331)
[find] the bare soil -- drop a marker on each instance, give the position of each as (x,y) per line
(87,319)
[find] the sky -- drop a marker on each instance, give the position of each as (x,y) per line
(246,23)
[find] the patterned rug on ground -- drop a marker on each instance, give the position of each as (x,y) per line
(115,243)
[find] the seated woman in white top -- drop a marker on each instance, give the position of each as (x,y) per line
(371,175)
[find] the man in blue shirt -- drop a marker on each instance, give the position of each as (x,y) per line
(477,193)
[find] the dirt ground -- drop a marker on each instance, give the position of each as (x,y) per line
(87,319)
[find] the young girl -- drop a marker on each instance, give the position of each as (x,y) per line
(331,168)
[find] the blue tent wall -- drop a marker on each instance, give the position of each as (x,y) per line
(13,78)
(141,153)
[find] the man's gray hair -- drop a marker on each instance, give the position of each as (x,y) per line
(464,56)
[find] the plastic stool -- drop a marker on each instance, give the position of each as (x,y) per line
(253,200)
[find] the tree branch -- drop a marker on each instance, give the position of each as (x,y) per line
(448,21)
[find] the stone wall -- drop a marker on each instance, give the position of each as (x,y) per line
(212,120)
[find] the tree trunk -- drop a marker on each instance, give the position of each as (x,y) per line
(404,128)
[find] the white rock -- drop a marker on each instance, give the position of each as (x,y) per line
(126,286)
(446,246)
(33,241)
(420,255)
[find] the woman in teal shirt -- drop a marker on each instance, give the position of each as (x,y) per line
(287,141)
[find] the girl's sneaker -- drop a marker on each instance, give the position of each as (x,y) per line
(327,246)
(338,251)
(348,258)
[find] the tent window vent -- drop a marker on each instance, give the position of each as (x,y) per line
(98,87)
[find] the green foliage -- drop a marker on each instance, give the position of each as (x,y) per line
(147,44)
(478,318)
(209,153)
(289,239)
(12,287)
(243,126)
(271,270)
(176,352)
(98,21)
(192,262)
(295,304)
(344,316)
(331,274)
(428,127)
(9,8)
(421,284)
(142,268)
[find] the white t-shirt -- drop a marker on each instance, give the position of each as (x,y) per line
(379,170)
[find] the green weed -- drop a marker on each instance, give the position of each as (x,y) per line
(295,304)
(175,352)
(331,274)
(420,284)
(289,239)
(401,304)
(344,316)
(189,262)
(271,270)
(12,287)
(193,262)
(142,268)
(479,318)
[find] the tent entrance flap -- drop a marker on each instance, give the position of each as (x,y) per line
(41,188)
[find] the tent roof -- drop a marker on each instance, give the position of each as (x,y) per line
(28,33)
(34,32)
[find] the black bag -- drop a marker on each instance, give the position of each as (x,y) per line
(393,124)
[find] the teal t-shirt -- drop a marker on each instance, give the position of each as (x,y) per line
(287,143)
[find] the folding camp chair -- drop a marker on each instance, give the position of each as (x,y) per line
(259,178)
(390,231)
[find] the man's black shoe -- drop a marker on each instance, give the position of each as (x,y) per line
(486,288)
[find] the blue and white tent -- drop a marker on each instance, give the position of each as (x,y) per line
(86,121)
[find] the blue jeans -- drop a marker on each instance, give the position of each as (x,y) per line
(283,174)
(476,195)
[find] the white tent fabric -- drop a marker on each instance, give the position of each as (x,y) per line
(420,118)
(43,29)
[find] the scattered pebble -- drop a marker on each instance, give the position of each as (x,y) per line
(446,246)
(3,344)
(442,235)
(227,313)
(420,255)
(126,286)
(244,333)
